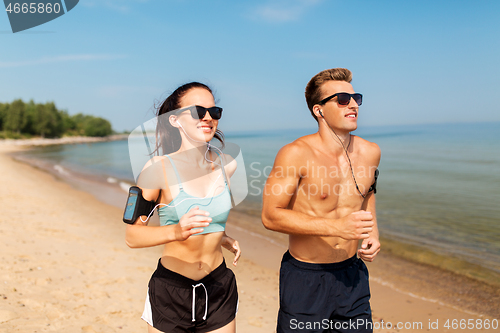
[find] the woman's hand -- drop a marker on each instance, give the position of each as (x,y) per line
(195,218)
(233,246)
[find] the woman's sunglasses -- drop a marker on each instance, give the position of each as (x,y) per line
(344,98)
(199,112)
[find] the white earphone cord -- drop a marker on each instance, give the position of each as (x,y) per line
(168,205)
(208,145)
(206,159)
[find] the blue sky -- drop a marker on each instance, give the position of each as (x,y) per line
(415,62)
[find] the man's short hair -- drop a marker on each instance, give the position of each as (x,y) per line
(313,88)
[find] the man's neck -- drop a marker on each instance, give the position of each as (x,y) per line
(334,139)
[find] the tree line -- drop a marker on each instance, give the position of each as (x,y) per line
(19,119)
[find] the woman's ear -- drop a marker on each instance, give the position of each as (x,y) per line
(173,121)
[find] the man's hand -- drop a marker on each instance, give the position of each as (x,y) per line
(233,246)
(369,248)
(356,225)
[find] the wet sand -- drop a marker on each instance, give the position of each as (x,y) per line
(65,267)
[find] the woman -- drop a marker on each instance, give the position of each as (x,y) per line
(192,289)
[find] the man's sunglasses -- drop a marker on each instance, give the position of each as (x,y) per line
(199,112)
(344,98)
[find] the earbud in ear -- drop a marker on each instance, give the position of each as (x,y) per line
(321,113)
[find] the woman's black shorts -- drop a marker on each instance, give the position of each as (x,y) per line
(176,303)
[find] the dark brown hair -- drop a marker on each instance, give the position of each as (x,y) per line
(313,88)
(168,138)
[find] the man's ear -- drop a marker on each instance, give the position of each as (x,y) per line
(317,111)
(173,121)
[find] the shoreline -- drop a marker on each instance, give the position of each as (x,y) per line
(408,283)
(34,142)
(400,245)
(244,217)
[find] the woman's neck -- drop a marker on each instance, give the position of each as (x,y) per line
(197,155)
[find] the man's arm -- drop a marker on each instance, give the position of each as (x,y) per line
(279,190)
(370,246)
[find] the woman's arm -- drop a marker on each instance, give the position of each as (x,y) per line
(233,246)
(140,234)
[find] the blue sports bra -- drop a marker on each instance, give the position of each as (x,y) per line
(218,206)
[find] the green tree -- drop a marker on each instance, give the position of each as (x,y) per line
(15,117)
(68,124)
(29,124)
(96,126)
(48,120)
(3,111)
(80,120)
(57,126)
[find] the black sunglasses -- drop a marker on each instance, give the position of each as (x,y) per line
(199,112)
(344,98)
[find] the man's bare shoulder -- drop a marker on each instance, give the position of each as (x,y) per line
(293,156)
(369,149)
(297,149)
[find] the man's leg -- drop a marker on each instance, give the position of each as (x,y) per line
(305,303)
(353,313)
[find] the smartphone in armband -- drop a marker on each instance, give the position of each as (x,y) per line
(136,205)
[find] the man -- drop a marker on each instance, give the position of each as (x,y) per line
(321,193)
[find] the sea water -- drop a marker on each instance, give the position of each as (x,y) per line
(439,185)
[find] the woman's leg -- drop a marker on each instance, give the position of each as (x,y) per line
(229,328)
(151,329)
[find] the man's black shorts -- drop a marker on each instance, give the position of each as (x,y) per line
(176,303)
(324,297)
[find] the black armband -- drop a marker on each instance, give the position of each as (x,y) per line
(136,205)
(374,185)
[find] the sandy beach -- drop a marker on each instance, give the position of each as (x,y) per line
(65,268)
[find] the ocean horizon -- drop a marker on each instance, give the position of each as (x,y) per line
(438,186)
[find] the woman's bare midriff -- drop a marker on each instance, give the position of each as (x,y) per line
(195,257)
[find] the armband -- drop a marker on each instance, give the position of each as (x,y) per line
(374,185)
(136,205)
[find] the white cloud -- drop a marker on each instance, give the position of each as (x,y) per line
(278,11)
(59,59)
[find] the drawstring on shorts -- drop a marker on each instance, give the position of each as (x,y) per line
(206,300)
